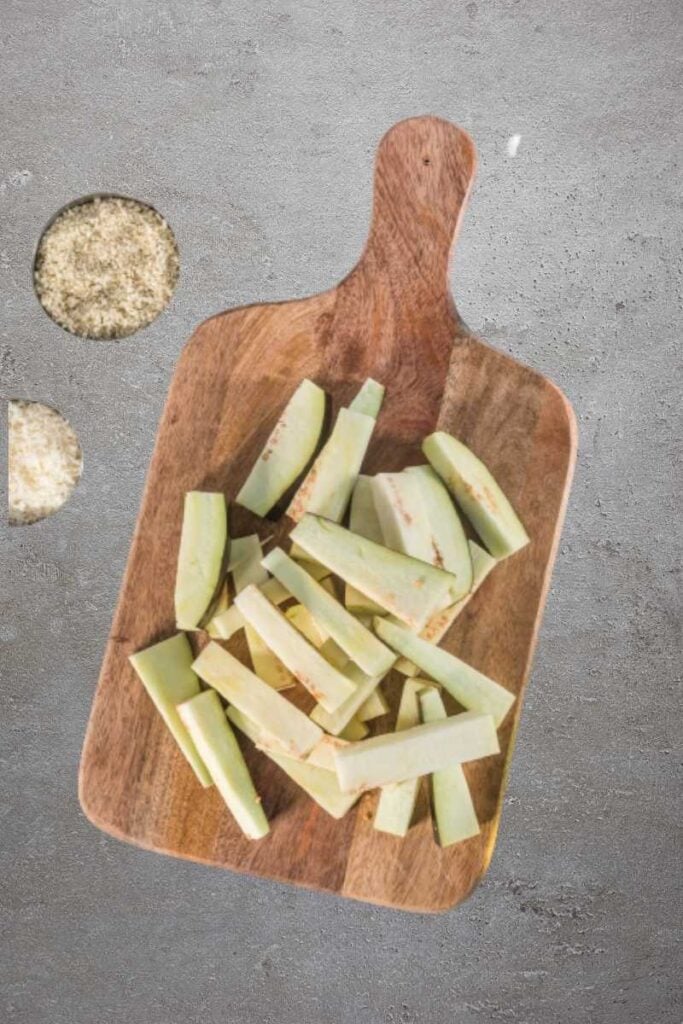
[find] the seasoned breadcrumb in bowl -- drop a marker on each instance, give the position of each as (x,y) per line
(106,266)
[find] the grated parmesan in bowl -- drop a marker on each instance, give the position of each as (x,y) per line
(106,267)
(45,461)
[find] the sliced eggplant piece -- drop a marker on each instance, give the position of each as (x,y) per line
(222,604)
(247,571)
(327,488)
(202,558)
(326,683)
(165,670)
(471,688)
(396,804)
(363,518)
(204,718)
(267,665)
(337,722)
(245,562)
(363,521)
(397,756)
(299,555)
(411,590)
(450,548)
(357,642)
(439,624)
(288,451)
(454,815)
(477,494)
(302,620)
(374,707)
(402,515)
(354,731)
(225,625)
(328,583)
(223,600)
(369,399)
(418,518)
(322,754)
(366,620)
(321,785)
(272,712)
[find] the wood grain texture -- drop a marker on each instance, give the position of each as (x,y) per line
(392,318)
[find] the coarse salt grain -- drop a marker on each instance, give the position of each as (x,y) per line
(106,267)
(45,461)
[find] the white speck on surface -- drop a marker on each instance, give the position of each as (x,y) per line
(513,144)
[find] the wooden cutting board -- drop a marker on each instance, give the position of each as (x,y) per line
(392,318)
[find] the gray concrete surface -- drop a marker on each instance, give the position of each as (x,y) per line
(251,127)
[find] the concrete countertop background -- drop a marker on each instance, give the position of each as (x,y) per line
(251,127)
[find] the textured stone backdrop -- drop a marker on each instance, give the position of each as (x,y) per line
(251,127)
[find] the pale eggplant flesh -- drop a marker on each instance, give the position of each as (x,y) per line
(202,558)
(477,493)
(288,452)
(410,589)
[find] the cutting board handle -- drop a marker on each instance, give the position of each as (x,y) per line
(424,170)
